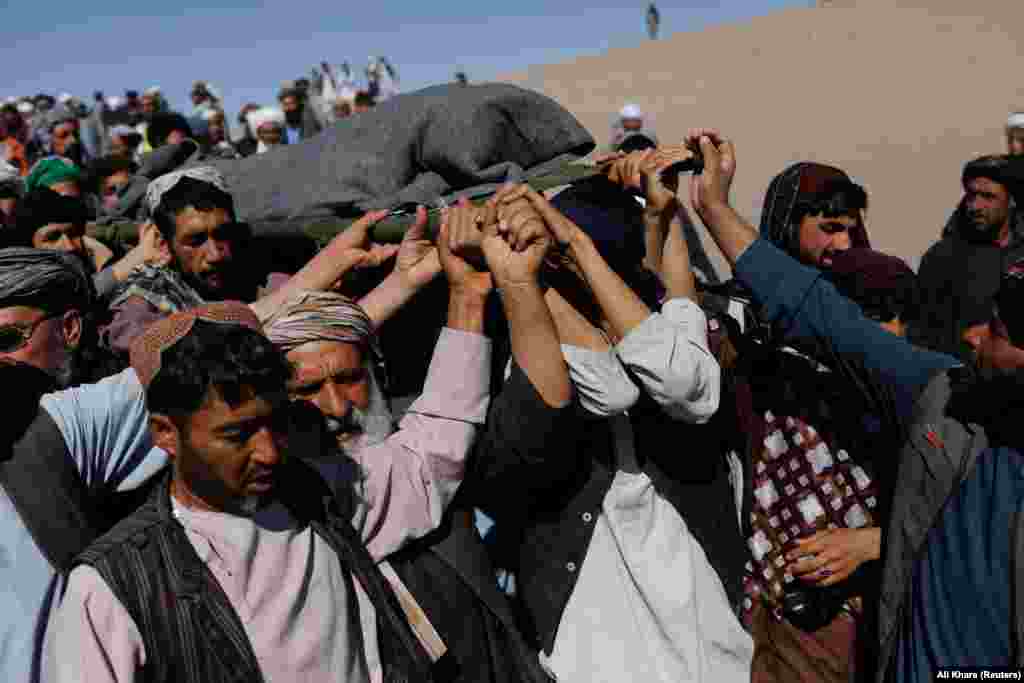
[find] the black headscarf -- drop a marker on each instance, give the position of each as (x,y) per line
(798,182)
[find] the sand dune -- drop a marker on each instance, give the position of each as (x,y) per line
(900,94)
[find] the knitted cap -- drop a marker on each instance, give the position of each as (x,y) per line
(147,348)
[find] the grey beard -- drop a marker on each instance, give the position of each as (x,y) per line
(365,428)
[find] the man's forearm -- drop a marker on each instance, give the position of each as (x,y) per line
(387,298)
(731,232)
(535,344)
(466,311)
(656,227)
(621,306)
(676,268)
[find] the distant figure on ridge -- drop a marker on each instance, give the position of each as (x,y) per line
(653,21)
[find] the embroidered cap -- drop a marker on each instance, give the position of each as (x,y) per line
(160,186)
(147,348)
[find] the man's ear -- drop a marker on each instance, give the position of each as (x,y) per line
(166,434)
(71,326)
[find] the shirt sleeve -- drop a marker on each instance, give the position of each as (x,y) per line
(802,304)
(130,319)
(412,476)
(91,637)
(106,429)
(668,353)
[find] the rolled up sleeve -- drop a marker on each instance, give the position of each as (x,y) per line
(412,476)
(668,353)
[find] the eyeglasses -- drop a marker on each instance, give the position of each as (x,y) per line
(16,335)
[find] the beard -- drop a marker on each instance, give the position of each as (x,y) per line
(293,118)
(359,430)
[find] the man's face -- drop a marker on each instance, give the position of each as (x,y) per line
(632,124)
(67,188)
(993,350)
(63,136)
(27,335)
(215,129)
(360,107)
(204,246)
(342,109)
(1015,141)
(148,104)
(66,237)
(270,134)
(821,237)
(176,137)
(111,186)
(988,206)
(119,147)
(290,104)
(333,377)
(227,456)
(8,211)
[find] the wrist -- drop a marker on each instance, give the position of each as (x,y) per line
(466,310)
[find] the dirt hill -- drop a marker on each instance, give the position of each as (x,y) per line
(898,93)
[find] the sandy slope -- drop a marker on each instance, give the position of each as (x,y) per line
(898,93)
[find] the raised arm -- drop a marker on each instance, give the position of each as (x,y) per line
(795,298)
(412,476)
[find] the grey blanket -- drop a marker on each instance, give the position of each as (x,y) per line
(414,148)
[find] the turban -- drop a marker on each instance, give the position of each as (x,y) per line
(42,278)
(59,115)
(800,182)
(147,348)
(152,92)
(261,117)
(320,316)
(26,108)
(50,171)
(165,183)
(10,177)
(1016,120)
(1008,171)
(631,111)
(883,286)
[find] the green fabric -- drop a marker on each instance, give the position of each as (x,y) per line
(323,230)
(50,171)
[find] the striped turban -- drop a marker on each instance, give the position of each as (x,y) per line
(320,316)
(41,278)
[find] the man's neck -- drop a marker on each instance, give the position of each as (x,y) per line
(1003,240)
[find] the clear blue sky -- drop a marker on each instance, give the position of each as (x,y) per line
(246,49)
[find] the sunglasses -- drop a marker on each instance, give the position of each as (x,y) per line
(16,335)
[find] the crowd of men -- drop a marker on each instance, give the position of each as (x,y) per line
(810,472)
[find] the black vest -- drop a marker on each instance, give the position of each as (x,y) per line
(190,630)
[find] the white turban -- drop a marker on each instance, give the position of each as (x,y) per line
(152,92)
(261,117)
(65,97)
(157,188)
(26,108)
(1016,120)
(631,111)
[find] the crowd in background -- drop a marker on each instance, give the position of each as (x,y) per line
(212,471)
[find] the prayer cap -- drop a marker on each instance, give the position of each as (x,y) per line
(146,349)
(162,185)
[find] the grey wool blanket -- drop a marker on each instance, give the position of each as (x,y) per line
(419,148)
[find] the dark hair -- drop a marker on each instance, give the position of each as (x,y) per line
(837,198)
(42,206)
(104,167)
(636,142)
(363,99)
(228,358)
(162,125)
(189,192)
(9,109)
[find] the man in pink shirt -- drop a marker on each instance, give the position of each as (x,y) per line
(241,565)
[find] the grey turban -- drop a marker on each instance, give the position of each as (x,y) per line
(41,278)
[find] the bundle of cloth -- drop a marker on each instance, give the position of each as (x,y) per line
(427,147)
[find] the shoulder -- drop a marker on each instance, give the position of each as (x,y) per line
(129,535)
